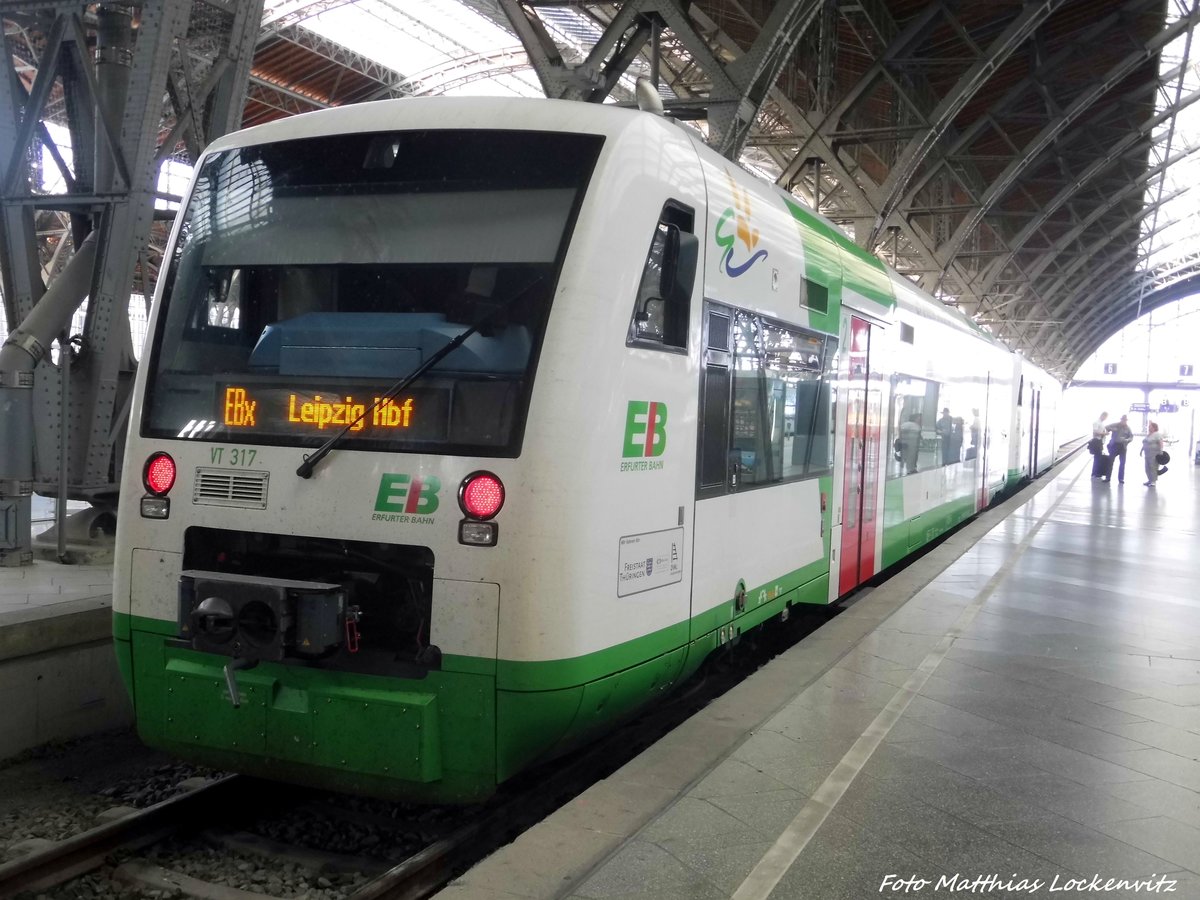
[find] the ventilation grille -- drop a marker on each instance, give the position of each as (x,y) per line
(222,487)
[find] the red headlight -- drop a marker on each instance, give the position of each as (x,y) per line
(159,474)
(481,495)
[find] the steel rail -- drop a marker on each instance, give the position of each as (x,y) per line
(83,852)
(539,793)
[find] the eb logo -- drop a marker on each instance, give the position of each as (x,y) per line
(645,429)
(402,493)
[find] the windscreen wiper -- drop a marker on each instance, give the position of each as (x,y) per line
(310,462)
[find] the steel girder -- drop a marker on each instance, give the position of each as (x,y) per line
(1061,283)
(465,70)
(19,265)
(996,203)
(287,14)
(1133,141)
(1073,291)
(969,84)
(592,79)
(1030,152)
(1186,282)
(198,54)
(736,103)
(736,91)
(913,163)
(275,96)
(1089,327)
(1060,280)
(971,294)
(391,83)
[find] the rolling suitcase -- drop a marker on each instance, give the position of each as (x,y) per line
(1106,466)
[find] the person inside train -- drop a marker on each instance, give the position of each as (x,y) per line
(1120,434)
(1096,445)
(910,443)
(945,431)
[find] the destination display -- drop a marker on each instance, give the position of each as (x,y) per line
(254,408)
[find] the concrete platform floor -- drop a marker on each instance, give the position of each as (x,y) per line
(58,673)
(1017,714)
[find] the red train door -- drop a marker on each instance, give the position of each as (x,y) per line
(864,405)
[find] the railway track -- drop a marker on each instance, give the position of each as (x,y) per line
(86,851)
(217,810)
(417,876)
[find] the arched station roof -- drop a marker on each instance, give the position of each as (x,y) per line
(1008,156)
(1013,157)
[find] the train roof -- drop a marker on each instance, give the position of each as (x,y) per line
(508,113)
(531,114)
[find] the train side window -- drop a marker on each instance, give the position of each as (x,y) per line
(805,365)
(757,407)
(781,403)
(660,312)
(813,295)
(766,402)
(714,404)
(930,425)
(912,438)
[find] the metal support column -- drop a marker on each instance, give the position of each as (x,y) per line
(115,114)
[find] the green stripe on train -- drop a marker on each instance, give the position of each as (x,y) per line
(453,734)
(902,536)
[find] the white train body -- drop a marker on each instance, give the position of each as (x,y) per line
(680,461)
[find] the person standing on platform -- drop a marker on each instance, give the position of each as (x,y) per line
(1120,436)
(1152,445)
(1096,445)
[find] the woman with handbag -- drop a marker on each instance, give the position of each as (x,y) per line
(1152,445)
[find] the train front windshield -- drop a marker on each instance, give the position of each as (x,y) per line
(311,275)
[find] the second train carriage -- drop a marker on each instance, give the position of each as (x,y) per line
(682,403)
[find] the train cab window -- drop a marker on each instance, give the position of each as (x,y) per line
(660,312)
(311,275)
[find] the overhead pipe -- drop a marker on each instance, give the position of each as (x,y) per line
(24,348)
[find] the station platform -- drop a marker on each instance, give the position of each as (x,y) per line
(58,674)
(1016,714)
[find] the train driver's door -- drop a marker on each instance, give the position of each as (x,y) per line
(864,403)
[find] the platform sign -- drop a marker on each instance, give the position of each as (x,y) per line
(1168,407)
(1110,368)
(1139,407)
(1185,371)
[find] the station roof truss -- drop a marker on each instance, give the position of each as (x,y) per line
(1008,156)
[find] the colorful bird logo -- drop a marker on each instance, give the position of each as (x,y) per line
(740,212)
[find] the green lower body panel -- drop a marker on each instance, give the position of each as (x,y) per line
(903,537)
(451,736)
(423,739)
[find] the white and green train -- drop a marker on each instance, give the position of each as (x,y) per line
(676,402)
